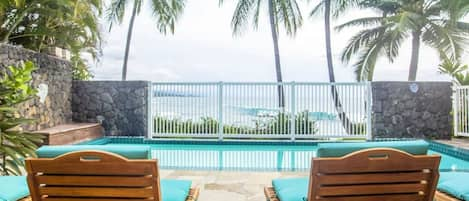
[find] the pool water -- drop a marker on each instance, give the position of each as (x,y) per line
(251,157)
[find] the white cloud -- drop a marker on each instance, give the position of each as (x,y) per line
(203,49)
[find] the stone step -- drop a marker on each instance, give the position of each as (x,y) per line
(71,133)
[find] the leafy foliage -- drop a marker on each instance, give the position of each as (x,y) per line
(165,12)
(286,13)
(279,124)
(15,88)
(434,22)
(42,24)
(456,70)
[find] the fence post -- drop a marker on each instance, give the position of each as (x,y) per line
(456,111)
(150,117)
(293,112)
(369,122)
(220,111)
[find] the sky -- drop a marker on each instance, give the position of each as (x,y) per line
(203,49)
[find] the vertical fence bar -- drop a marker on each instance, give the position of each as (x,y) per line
(149,111)
(220,111)
(455,108)
(293,111)
(369,104)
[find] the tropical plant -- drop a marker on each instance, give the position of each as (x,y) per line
(281,12)
(43,24)
(166,13)
(15,88)
(335,8)
(455,69)
(435,23)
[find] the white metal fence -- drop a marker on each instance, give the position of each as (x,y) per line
(251,110)
(461,110)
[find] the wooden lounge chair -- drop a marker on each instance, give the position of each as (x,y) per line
(379,174)
(95,175)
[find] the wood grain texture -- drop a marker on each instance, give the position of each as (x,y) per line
(380,174)
(94,175)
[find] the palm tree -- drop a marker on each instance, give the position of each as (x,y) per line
(166,12)
(431,22)
(335,8)
(286,12)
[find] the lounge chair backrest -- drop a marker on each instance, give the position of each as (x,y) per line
(93,175)
(380,174)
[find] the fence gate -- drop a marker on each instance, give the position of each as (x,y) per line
(294,111)
(461,110)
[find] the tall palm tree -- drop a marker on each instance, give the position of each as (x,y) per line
(430,22)
(166,13)
(281,12)
(335,8)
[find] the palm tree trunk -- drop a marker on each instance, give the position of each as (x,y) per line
(129,39)
(346,123)
(414,60)
(278,68)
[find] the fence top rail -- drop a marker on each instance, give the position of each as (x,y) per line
(263,83)
(461,87)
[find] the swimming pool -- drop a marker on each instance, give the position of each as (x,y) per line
(257,156)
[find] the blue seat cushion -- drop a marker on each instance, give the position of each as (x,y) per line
(13,188)
(454,184)
(175,190)
(417,147)
(128,151)
(293,189)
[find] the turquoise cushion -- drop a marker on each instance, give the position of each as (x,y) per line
(418,147)
(175,190)
(13,188)
(295,189)
(128,151)
(455,184)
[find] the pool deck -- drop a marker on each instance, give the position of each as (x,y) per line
(230,186)
(462,143)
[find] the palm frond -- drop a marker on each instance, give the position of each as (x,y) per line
(364,22)
(167,13)
(241,15)
(288,12)
(360,40)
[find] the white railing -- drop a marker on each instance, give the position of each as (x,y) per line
(225,110)
(461,110)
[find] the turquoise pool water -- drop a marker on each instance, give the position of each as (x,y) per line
(259,157)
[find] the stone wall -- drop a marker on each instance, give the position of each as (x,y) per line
(412,110)
(52,71)
(121,106)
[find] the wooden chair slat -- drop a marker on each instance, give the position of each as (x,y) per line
(97,192)
(94,199)
(373,178)
(116,181)
(365,165)
(374,189)
(136,168)
(357,176)
(85,175)
(381,174)
(397,197)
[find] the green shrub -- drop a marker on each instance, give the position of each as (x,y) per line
(280,124)
(15,88)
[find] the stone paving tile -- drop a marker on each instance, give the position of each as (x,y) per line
(457,142)
(230,186)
